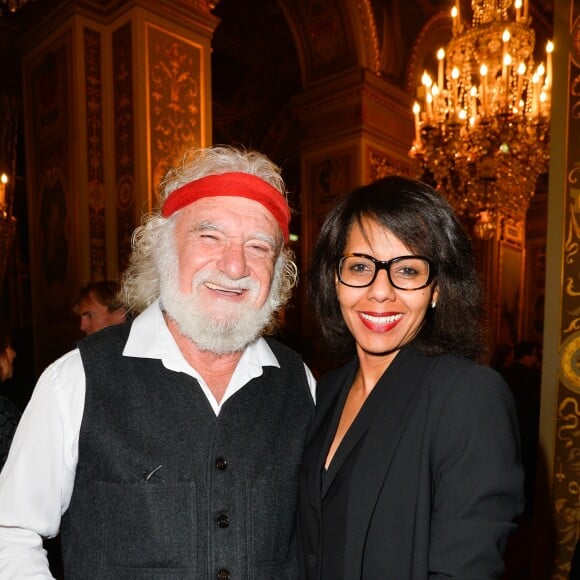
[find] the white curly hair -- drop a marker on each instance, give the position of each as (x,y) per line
(141,281)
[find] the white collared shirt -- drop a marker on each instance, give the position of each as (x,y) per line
(37,481)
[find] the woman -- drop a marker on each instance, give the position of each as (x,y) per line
(9,412)
(411,470)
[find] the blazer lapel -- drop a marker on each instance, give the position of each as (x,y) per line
(402,383)
(328,395)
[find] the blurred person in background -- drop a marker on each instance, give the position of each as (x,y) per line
(98,306)
(9,412)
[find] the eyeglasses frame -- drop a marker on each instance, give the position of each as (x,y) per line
(386,265)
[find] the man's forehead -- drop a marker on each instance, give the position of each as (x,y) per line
(89,302)
(233,185)
(216,210)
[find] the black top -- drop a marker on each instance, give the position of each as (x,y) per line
(336,483)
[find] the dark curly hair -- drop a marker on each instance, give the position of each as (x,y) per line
(425,222)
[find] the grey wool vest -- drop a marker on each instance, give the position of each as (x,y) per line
(166,490)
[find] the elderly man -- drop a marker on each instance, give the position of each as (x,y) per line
(97,306)
(168,447)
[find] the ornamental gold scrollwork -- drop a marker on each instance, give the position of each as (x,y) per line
(381,165)
(570,367)
(571,244)
(568,414)
(575,92)
(567,474)
(569,527)
(175,98)
(175,94)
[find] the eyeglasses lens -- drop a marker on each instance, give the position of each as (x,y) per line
(405,273)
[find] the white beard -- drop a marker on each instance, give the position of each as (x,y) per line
(223,327)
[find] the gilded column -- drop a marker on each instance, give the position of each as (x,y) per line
(558,497)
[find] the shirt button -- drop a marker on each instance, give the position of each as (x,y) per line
(223,521)
(221,463)
(223,575)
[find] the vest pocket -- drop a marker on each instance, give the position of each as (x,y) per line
(147,527)
(272,505)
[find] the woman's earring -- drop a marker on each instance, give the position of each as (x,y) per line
(433,304)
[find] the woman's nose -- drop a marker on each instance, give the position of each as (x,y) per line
(381,288)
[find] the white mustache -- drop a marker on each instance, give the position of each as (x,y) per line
(219,280)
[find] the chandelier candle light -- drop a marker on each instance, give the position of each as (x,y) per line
(482,129)
(7,225)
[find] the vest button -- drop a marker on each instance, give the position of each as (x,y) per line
(223,575)
(221,463)
(223,521)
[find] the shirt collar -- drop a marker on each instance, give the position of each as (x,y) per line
(150,338)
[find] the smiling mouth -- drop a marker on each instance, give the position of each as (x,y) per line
(219,288)
(381,319)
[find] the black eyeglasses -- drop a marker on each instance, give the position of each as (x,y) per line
(404,272)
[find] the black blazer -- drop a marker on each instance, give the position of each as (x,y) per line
(437,482)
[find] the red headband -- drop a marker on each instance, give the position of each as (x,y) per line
(233,184)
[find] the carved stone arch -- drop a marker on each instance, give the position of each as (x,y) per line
(332,35)
(434,34)
(365,30)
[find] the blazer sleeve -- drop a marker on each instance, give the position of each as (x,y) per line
(477,476)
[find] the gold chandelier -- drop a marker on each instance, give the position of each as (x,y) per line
(481,130)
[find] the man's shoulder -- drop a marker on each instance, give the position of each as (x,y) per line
(106,342)
(282,350)
(106,335)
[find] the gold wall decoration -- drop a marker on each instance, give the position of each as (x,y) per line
(329,178)
(325,31)
(381,164)
(124,139)
(175,73)
(95,168)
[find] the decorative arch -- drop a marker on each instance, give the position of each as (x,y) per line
(332,36)
(434,34)
(365,30)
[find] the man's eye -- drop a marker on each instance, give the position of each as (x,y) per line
(258,249)
(209,237)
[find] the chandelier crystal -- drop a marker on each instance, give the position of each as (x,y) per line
(481,129)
